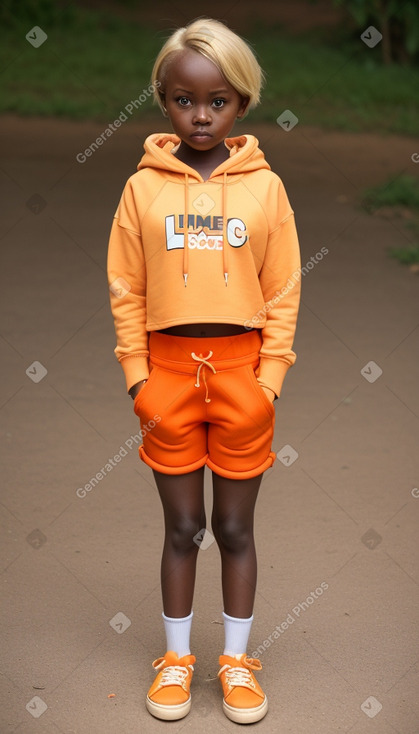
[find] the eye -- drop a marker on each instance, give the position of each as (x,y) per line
(183,101)
(219,102)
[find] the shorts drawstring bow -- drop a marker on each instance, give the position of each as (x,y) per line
(203,363)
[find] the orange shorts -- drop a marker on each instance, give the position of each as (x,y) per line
(203,405)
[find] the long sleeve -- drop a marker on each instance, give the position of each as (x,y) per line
(127,285)
(280,280)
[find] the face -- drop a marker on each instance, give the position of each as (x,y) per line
(201,105)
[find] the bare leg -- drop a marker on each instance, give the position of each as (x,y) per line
(182,498)
(232,525)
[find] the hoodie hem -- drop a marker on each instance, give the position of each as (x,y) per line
(203,319)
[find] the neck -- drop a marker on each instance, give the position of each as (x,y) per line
(202,158)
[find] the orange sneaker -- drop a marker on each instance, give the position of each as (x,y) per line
(169,697)
(244,701)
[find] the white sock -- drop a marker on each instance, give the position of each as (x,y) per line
(236,634)
(178,630)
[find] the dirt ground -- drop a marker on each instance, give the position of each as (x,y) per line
(336,525)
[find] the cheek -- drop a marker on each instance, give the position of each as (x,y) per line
(177,114)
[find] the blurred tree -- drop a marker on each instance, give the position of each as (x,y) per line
(36,12)
(397,20)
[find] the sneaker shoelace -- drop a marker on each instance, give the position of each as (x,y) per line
(240,677)
(174,675)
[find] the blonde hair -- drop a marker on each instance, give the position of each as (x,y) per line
(231,55)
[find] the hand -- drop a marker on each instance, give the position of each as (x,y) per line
(135,389)
(269,393)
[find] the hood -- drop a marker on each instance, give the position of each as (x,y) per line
(245,156)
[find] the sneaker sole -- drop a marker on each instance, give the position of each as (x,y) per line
(246,716)
(168,713)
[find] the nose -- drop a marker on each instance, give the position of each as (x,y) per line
(201,115)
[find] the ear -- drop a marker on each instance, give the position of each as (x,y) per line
(243,107)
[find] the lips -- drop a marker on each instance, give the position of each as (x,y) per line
(201,134)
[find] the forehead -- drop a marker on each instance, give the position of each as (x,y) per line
(190,68)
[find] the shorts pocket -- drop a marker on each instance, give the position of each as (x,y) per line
(269,405)
(140,396)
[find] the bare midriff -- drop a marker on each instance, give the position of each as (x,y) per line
(205,330)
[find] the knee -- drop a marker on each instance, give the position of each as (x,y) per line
(232,536)
(182,533)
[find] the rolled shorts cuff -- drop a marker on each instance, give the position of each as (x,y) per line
(227,473)
(171,469)
(249,474)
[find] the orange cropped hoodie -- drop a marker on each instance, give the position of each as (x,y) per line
(184,250)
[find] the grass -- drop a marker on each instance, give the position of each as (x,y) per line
(402,191)
(400,196)
(406,255)
(92,65)
(339,86)
(90,69)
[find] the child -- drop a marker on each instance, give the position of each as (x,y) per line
(201,254)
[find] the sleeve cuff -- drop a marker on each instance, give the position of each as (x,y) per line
(271,373)
(135,369)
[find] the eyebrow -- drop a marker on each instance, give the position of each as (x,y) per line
(214,91)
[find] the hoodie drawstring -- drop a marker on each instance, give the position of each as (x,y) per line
(186,230)
(203,363)
(185,233)
(224,215)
